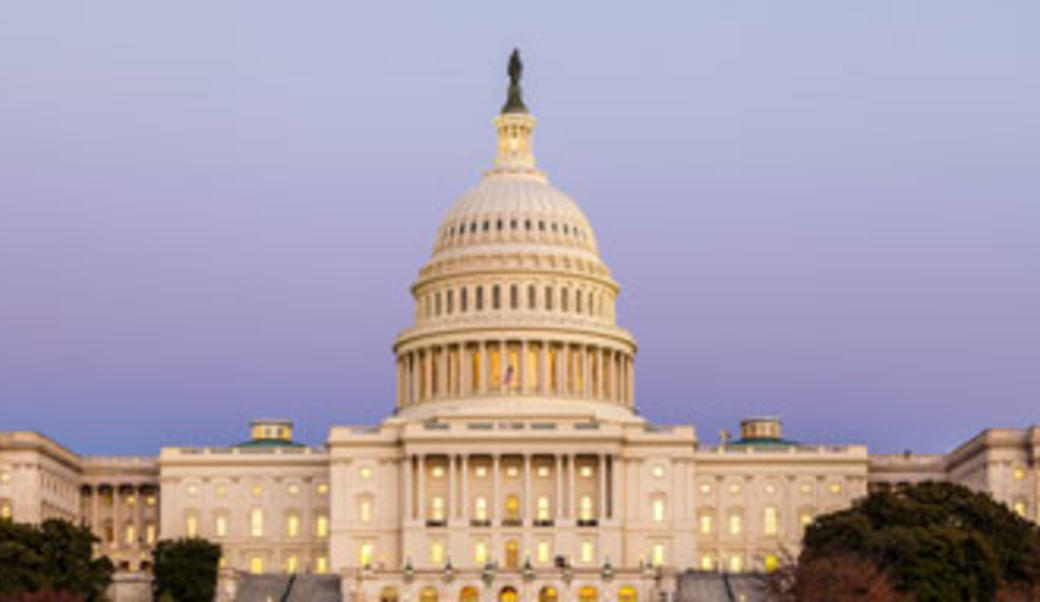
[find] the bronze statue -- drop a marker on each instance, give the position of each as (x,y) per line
(514,100)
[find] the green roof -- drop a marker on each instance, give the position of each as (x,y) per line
(269,443)
(764,442)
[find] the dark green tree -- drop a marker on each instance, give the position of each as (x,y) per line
(938,541)
(185,570)
(56,556)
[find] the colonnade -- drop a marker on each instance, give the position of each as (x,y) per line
(519,367)
(124,516)
(460,480)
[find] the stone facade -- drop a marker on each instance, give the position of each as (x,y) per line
(513,463)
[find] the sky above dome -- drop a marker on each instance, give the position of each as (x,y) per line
(827,211)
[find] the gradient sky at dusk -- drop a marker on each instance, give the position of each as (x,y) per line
(211,211)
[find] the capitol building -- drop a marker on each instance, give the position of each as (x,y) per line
(512,464)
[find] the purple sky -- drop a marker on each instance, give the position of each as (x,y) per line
(211,211)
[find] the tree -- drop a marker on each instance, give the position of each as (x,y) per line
(938,541)
(55,557)
(185,570)
(841,578)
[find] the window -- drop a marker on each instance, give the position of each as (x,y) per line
(543,553)
(585,508)
(543,508)
(191,525)
(294,489)
(657,509)
(548,298)
(770,523)
(658,471)
(365,472)
(193,489)
(221,492)
(5,509)
(771,563)
(1019,508)
(321,565)
(257,490)
(1019,473)
(131,535)
(5,476)
(514,297)
(480,509)
(736,524)
(707,564)
(437,304)
(256,565)
(480,555)
(734,489)
(705,488)
(565,297)
(450,301)
(657,554)
(585,472)
(462,300)
(805,518)
(543,472)
(323,488)
(835,488)
(292,525)
(496,297)
(149,531)
(588,551)
(805,488)
(365,511)
(707,524)
(321,526)
(256,522)
(512,472)
(365,554)
(437,472)
(436,552)
(221,526)
(736,564)
(770,489)
(292,564)
(480,471)
(530,297)
(479,303)
(437,508)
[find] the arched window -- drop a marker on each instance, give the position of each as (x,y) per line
(437,304)
(479,303)
(627,594)
(592,310)
(565,296)
(388,594)
(548,298)
(512,554)
(507,594)
(514,297)
(463,298)
(428,594)
(292,525)
(577,301)
(496,297)
(548,594)
(469,594)
(450,301)
(588,594)
(512,507)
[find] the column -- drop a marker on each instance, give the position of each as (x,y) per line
(494,488)
(442,373)
(543,369)
(95,511)
(428,373)
(138,503)
(407,472)
(572,506)
(559,486)
(465,488)
(586,371)
(413,377)
(452,493)
(602,488)
(465,370)
(602,374)
(523,368)
(116,526)
(484,367)
(420,486)
(617,471)
(503,367)
(528,515)
(616,386)
(631,381)
(566,383)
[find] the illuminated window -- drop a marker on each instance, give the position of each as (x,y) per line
(1019,474)
(657,554)
(480,555)
(512,472)
(480,471)
(772,563)
(543,471)
(5,476)
(321,565)
(256,522)
(585,508)
(323,488)
(1019,508)
(437,508)
(770,489)
(707,564)
(543,508)
(543,552)
(221,492)
(5,509)
(221,526)
(292,564)
(805,519)
(365,554)
(835,488)
(736,564)
(191,525)
(734,489)
(436,552)
(365,511)
(366,472)
(437,472)
(705,488)
(806,488)
(293,490)
(321,526)
(258,490)
(150,533)
(150,499)
(770,523)
(736,524)
(256,565)
(658,471)
(130,535)
(657,509)
(707,524)
(292,526)
(585,471)
(480,508)
(193,489)
(588,552)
